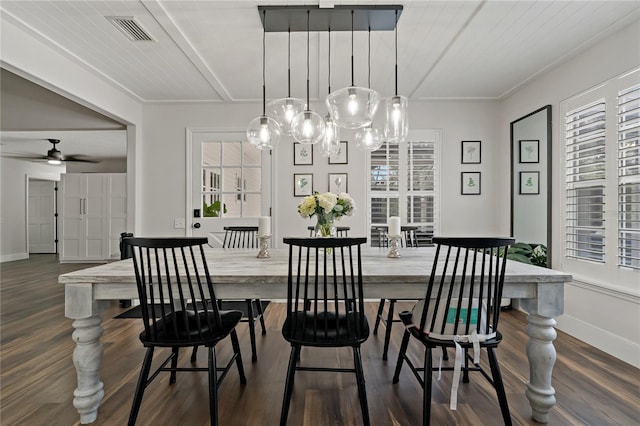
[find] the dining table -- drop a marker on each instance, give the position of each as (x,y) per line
(240,274)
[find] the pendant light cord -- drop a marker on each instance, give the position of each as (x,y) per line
(396,34)
(264,87)
(369,61)
(352,79)
(289,65)
(329,61)
(308,104)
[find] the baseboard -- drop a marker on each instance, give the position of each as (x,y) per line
(13,256)
(612,344)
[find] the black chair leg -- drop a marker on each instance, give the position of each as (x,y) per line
(401,355)
(362,393)
(388,325)
(378,316)
(194,354)
(261,316)
(426,397)
(499,385)
(465,371)
(174,364)
(236,350)
(288,387)
(252,330)
(140,387)
(213,387)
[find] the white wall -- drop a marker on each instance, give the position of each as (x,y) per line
(588,305)
(163,167)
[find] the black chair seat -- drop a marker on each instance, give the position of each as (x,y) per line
(312,332)
(190,328)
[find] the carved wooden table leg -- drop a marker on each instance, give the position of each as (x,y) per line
(542,357)
(87,357)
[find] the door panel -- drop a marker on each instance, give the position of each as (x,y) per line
(230,183)
(42,217)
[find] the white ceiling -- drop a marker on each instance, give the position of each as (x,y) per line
(212,50)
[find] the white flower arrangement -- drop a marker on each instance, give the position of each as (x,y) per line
(327,204)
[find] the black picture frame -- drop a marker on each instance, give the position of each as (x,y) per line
(528,151)
(302,184)
(470,183)
(529,183)
(336,186)
(342,157)
(302,154)
(471,152)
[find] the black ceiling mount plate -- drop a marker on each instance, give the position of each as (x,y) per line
(338,18)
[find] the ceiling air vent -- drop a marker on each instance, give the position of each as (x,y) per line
(129,27)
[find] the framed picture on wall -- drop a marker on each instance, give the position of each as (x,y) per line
(529,183)
(529,151)
(302,184)
(470,183)
(471,152)
(338,182)
(302,154)
(342,157)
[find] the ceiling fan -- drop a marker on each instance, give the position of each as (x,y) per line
(54,156)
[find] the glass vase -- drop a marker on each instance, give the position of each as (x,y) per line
(324,226)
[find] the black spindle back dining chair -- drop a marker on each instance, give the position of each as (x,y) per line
(174,284)
(240,237)
(460,310)
(243,237)
(325,306)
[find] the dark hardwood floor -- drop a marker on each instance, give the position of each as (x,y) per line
(38,378)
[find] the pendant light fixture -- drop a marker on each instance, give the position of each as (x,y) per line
(263,132)
(307,127)
(353,107)
(285,109)
(368,138)
(396,127)
(330,144)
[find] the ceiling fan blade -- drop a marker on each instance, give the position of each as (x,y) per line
(78,159)
(27,157)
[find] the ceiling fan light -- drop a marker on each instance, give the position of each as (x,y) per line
(263,132)
(284,110)
(53,161)
(368,138)
(396,126)
(353,107)
(308,127)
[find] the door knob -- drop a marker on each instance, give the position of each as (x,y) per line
(196,225)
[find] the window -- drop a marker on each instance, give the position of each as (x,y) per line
(629,177)
(585,173)
(231,180)
(602,176)
(403,183)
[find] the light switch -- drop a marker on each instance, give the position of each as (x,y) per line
(178,223)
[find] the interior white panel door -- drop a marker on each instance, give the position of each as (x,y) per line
(42,217)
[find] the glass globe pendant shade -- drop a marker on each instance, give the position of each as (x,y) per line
(330,144)
(307,127)
(263,132)
(284,110)
(368,138)
(396,126)
(353,107)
